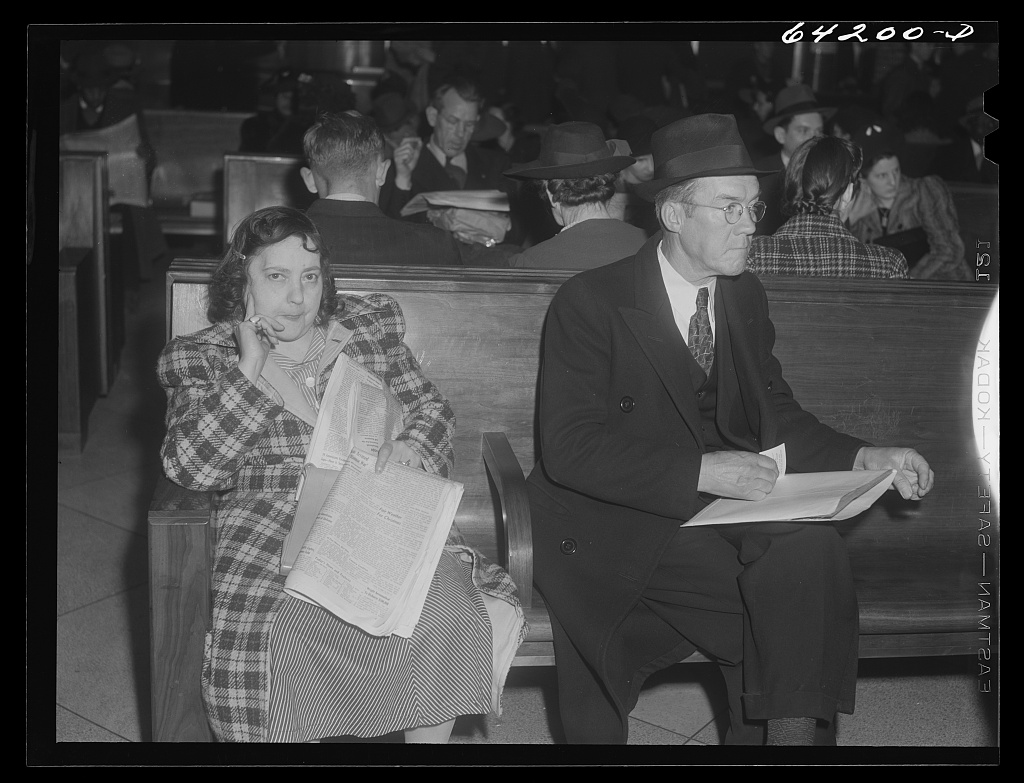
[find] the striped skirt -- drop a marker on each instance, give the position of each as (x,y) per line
(331,679)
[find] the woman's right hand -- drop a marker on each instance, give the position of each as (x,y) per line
(255,336)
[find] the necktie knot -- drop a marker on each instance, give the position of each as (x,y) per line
(700,340)
(457,173)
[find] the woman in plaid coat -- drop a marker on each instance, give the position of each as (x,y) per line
(242,400)
(821,183)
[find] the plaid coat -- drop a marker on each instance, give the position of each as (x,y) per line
(225,433)
(819,245)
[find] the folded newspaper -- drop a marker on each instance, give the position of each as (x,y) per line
(487,200)
(364,545)
(801,497)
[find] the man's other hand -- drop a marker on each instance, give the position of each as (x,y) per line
(914,478)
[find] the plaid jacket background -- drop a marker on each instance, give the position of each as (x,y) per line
(818,245)
(226,433)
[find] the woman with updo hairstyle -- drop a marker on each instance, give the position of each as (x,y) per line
(822,180)
(242,400)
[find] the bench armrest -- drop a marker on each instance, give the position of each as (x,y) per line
(507,476)
(180,564)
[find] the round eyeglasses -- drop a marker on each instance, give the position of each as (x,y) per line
(734,211)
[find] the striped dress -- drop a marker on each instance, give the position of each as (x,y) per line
(277,668)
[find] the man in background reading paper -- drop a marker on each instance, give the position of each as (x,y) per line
(447,161)
(659,391)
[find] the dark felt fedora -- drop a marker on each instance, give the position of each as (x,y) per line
(794,100)
(704,145)
(570,150)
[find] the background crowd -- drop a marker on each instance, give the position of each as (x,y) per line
(926,97)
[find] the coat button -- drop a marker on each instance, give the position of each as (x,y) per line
(769,385)
(626,404)
(568,546)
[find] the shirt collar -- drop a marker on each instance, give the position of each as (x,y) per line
(347,197)
(459,160)
(682,294)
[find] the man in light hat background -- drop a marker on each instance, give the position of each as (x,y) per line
(659,389)
(797,116)
(576,173)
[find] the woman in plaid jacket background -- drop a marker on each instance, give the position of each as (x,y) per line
(242,400)
(820,185)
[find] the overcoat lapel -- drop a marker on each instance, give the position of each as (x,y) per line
(738,356)
(654,328)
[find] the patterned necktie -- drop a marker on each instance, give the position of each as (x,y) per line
(700,339)
(456,173)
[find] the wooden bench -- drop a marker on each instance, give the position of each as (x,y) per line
(254,181)
(977,207)
(88,348)
(890,361)
(190,147)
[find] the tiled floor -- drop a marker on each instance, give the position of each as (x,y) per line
(102,631)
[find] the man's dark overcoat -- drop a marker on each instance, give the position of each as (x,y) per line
(621,454)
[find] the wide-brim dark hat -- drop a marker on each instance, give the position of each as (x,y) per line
(489,127)
(798,99)
(704,145)
(572,150)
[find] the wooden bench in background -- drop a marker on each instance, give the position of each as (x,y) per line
(977,208)
(254,181)
(90,313)
(889,361)
(190,148)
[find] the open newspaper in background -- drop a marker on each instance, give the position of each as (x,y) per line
(801,497)
(126,169)
(488,200)
(365,545)
(476,217)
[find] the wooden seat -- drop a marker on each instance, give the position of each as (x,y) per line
(889,361)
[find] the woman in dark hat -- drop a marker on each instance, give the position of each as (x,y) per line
(917,216)
(576,173)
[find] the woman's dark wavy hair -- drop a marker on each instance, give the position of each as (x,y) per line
(818,174)
(583,190)
(257,232)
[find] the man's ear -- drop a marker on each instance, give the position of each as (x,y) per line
(307,178)
(382,171)
(672,216)
(779,133)
(431,116)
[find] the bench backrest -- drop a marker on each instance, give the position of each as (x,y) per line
(892,362)
(254,181)
(977,208)
(190,147)
(84,224)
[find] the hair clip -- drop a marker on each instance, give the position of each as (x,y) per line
(241,256)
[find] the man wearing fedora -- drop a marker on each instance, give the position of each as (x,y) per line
(576,173)
(797,116)
(659,390)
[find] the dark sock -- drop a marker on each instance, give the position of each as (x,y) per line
(791,731)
